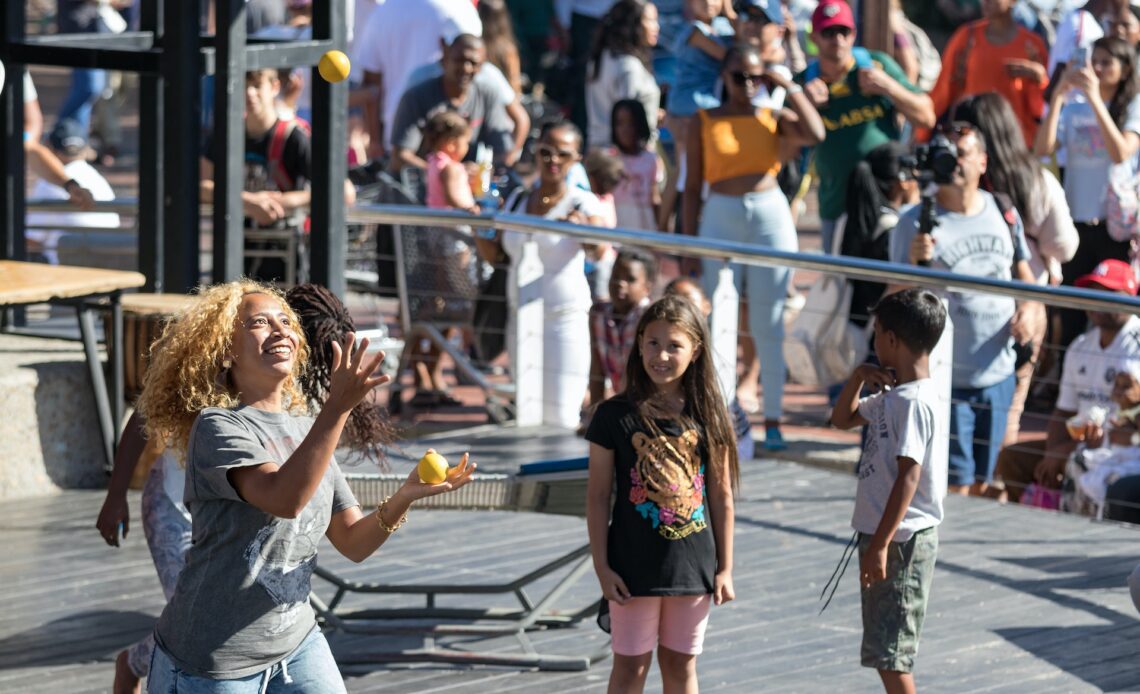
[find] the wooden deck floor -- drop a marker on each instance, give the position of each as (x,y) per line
(1023,600)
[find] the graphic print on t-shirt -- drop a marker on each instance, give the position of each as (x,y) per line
(668,483)
(272,555)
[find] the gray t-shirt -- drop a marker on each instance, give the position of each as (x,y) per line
(982,245)
(241,603)
(1087,164)
(422,101)
(909,421)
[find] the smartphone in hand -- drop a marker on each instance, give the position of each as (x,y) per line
(1081,57)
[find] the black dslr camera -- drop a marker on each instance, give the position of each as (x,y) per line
(933,162)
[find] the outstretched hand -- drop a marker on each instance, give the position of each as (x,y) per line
(457,477)
(352,377)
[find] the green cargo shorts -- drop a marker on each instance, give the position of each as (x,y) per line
(894,609)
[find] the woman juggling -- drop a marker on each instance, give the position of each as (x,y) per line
(262,488)
(736,149)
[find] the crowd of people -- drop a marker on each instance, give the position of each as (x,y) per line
(707,118)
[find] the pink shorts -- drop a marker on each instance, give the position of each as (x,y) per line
(677,622)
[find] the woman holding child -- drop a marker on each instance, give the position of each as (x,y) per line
(262,488)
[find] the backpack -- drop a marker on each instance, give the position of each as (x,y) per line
(823,346)
(275,157)
(929,61)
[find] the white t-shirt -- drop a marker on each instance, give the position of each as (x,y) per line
(564,284)
(1077,29)
(1087,163)
(86,176)
(909,421)
(620,77)
(1089,370)
(401,35)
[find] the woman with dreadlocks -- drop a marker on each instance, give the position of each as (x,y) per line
(166,521)
(325,320)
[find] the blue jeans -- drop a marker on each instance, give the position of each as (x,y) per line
(977,427)
(763,219)
(86,87)
(826,235)
(310,669)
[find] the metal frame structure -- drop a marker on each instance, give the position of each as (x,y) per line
(171,56)
(553,486)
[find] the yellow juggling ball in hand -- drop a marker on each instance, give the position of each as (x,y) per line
(432,468)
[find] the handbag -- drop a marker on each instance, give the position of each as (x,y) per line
(823,346)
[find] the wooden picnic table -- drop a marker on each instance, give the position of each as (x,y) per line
(23,283)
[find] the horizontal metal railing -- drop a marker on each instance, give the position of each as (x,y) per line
(857,268)
(749,254)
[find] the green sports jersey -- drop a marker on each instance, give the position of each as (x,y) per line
(856,123)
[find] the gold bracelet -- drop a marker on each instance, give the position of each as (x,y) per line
(380,518)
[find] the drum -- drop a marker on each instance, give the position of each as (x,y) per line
(143,318)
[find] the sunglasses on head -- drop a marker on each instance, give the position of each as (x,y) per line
(740,78)
(832,32)
(548,153)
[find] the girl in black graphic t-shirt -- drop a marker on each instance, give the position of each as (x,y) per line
(665,551)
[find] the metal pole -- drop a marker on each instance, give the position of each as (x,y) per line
(12,242)
(229,139)
(181,106)
(149,219)
(328,238)
(875,18)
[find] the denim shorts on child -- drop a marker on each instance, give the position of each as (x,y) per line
(310,668)
(676,622)
(894,609)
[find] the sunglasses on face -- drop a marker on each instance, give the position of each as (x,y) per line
(740,78)
(956,129)
(830,33)
(548,153)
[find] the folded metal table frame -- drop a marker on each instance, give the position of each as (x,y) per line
(546,487)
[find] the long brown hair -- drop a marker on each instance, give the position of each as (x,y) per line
(620,32)
(705,408)
(1129,85)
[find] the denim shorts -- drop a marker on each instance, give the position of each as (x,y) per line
(894,609)
(309,669)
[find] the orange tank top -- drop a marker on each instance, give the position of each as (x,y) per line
(739,145)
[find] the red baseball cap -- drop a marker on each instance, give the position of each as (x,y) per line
(832,13)
(1114,275)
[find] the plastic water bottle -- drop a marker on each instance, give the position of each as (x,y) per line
(492,200)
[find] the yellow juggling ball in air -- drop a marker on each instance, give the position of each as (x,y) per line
(432,468)
(334,66)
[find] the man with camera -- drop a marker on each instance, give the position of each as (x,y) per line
(969,233)
(859,94)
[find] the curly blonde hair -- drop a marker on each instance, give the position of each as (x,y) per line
(185,375)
